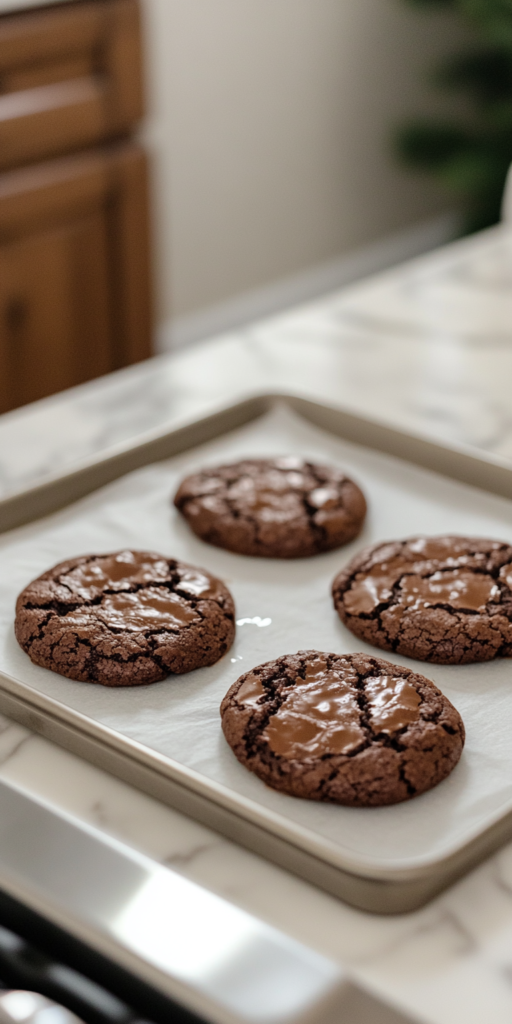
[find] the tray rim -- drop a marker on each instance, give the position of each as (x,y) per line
(72,729)
(33,501)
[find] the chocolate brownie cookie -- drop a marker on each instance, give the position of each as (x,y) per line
(349,729)
(275,508)
(123,619)
(441,599)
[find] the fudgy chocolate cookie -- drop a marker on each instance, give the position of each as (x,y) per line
(441,599)
(349,729)
(126,618)
(275,508)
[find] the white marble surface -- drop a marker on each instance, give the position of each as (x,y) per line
(427,346)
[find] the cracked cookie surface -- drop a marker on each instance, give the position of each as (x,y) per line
(274,508)
(446,600)
(124,619)
(348,729)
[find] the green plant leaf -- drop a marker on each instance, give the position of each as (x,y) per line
(470,157)
(494,18)
(470,171)
(429,145)
(486,74)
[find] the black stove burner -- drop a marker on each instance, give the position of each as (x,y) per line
(40,957)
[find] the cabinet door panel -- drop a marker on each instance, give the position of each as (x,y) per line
(70,77)
(74,277)
(54,329)
(90,286)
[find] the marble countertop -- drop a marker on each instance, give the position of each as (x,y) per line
(426,346)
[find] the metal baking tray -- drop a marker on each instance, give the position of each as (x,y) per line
(166,739)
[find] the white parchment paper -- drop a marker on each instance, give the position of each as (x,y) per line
(282,607)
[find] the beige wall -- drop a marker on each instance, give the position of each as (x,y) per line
(270,126)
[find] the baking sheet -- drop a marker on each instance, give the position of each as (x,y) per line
(282,607)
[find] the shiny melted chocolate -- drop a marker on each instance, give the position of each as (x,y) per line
(127,568)
(151,608)
(458,588)
(199,584)
(106,572)
(455,585)
(441,549)
(319,716)
(368,593)
(392,703)
(250,691)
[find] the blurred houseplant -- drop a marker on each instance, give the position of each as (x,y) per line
(471,155)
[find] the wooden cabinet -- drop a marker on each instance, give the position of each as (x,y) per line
(74,251)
